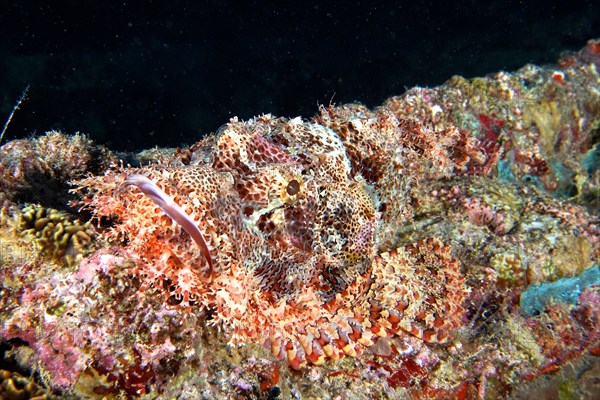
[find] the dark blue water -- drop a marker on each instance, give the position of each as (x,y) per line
(139,74)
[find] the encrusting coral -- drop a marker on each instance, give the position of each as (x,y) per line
(56,234)
(390,249)
(14,386)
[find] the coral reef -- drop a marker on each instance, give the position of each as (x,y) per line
(443,245)
(39,170)
(79,310)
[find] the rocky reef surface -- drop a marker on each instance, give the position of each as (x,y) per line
(443,245)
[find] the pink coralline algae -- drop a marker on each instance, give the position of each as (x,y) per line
(69,320)
(388,246)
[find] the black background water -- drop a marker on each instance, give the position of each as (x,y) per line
(138,74)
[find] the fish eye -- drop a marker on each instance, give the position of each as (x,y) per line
(293,187)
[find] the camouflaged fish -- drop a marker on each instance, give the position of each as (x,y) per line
(285,231)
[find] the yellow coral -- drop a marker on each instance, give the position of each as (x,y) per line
(510,267)
(14,386)
(55,233)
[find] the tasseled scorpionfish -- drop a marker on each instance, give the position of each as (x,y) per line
(284,229)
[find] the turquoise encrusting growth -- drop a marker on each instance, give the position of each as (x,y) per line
(382,253)
(565,290)
(591,161)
